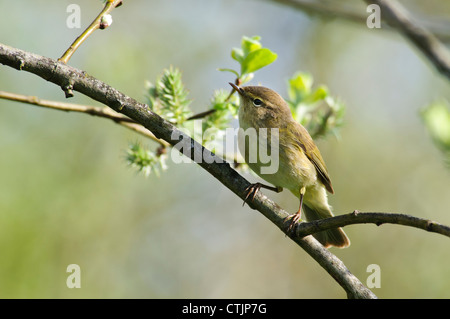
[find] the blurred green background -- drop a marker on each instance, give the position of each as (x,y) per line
(68,197)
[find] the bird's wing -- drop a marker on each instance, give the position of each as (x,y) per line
(304,140)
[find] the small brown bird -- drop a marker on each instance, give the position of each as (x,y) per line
(301,168)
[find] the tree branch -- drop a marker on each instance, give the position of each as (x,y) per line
(334,9)
(96,24)
(394,16)
(61,74)
(398,17)
(356,217)
(86,109)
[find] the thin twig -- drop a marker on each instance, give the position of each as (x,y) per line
(96,24)
(209,112)
(200,115)
(86,109)
(308,228)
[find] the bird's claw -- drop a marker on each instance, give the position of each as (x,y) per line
(295,218)
(251,190)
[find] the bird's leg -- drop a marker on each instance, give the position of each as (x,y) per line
(254,188)
(297,216)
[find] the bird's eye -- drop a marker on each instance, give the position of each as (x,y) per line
(257,102)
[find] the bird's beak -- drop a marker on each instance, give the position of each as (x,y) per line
(237,88)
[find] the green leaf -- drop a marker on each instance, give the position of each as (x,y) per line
(168,97)
(249,45)
(314,108)
(237,54)
(229,70)
(246,77)
(319,94)
(257,59)
(437,120)
(251,57)
(299,86)
(144,160)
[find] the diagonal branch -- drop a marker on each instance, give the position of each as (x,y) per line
(61,74)
(96,24)
(398,17)
(395,17)
(337,9)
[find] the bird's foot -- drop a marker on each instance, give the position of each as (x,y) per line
(252,189)
(294,220)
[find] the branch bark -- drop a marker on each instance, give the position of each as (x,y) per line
(338,10)
(95,25)
(356,217)
(86,109)
(398,17)
(66,76)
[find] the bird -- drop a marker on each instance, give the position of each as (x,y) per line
(301,168)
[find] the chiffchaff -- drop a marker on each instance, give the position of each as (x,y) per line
(301,168)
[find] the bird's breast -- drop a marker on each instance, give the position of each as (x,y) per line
(273,157)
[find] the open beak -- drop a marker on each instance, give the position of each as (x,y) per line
(237,88)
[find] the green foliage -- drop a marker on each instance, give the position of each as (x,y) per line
(436,118)
(251,57)
(144,160)
(225,109)
(315,109)
(168,97)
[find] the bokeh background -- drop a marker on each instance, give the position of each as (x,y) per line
(68,197)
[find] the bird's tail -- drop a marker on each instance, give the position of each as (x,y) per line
(332,237)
